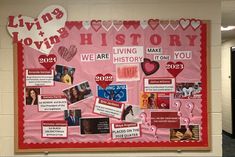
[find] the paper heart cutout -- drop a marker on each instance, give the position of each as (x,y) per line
(143,24)
(47,61)
(67,54)
(103,80)
(174,24)
(36,32)
(184,23)
(86,24)
(164,24)
(128,24)
(117,24)
(149,67)
(174,68)
(153,23)
(96,24)
(107,25)
(195,23)
(71,24)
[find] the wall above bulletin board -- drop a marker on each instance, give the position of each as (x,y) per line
(110,85)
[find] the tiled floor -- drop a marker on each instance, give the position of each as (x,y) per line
(228,146)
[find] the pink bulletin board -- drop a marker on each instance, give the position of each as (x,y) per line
(110,85)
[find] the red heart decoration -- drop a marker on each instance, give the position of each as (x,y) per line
(104,80)
(71,24)
(149,67)
(128,24)
(67,54)
(96,24)
(174,68)
(153,23)
(47,61)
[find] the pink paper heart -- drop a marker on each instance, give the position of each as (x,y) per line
(153,23)
(67,54)
(96,24)
(149,67)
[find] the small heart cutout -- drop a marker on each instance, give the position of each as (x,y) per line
(47,61)
(67,54)
(153,23)
(184,23)
(195,23)
(96,24)
(174,68)
(149,67)
(104,80)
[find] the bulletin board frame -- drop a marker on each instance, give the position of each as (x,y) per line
(21,147)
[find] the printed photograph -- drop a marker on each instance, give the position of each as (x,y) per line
(188,90)
(94,125)
(113,92)
(72,117)
(78,92)
(64,74)
(131,113)
(31,96)
(185,134)
(148,100)
(163,100)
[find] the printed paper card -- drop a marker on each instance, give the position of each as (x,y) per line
(54,129)
(39,77)
(155,84)
(125,130)
(109,108)
(52,103)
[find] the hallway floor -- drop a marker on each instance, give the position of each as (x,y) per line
(228,146)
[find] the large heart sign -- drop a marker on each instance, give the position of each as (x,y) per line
(42,32)
(47,61)
(149,67)
(67,54)
(104,80)
(174,68)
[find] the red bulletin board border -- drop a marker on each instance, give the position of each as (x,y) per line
(20,146)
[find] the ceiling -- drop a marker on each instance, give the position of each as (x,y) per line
(228,18)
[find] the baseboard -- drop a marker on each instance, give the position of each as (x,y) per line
(228,134)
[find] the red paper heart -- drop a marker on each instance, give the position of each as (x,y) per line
(174,68)
(104,80)
(71,24)
(153,23)
(149,67)
(47,61)
(96,24)
(67,54)
(128,24)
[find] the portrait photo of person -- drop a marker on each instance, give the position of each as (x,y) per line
(64,74)
(78,92)
(32,96)
(72,117)
(94,125)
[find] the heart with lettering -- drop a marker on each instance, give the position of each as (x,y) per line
(174,68)
(67,54)
(38,32)
(153,23)
(47,61)
(96,24)
(104,80)
(149,67)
